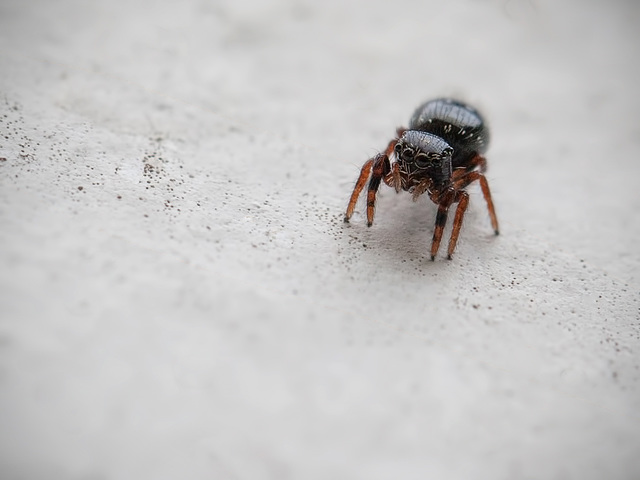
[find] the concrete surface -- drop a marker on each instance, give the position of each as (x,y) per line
(179,297)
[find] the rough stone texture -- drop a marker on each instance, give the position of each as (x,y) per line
(179,297)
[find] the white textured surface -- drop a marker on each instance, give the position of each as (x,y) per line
(179,297)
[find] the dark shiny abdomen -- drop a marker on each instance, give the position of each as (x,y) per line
(460,125)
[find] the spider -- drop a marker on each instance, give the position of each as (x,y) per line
(439,154)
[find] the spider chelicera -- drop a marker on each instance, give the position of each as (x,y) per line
(440,153)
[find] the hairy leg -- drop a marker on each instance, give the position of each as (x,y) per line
(362,179)
(390,178)
(471,177)
(462,198)
(478,162)
(441,221)
(381,168)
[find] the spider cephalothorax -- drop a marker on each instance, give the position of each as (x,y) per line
(439,154)
(421,156)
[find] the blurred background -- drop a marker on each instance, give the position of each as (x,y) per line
(179,296)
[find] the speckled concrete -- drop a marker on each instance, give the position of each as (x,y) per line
(179,297)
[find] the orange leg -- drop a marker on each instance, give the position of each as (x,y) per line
(394,177)
(441,221)
(362,179)
(462,198)
(478,161)
(381,168)
(471,177)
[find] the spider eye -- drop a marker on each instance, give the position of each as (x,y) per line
(422,160)
(407,154)
(398,149)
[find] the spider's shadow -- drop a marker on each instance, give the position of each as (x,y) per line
(403,229)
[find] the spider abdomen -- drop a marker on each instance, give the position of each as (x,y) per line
(457,123)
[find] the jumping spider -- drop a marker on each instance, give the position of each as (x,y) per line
(440,154)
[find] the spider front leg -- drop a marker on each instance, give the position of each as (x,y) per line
(441,221)
(390,178)
(364,174)
(381,168)
(378,167)
(462,198)
(478,161)
(453,196)
(471,177)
